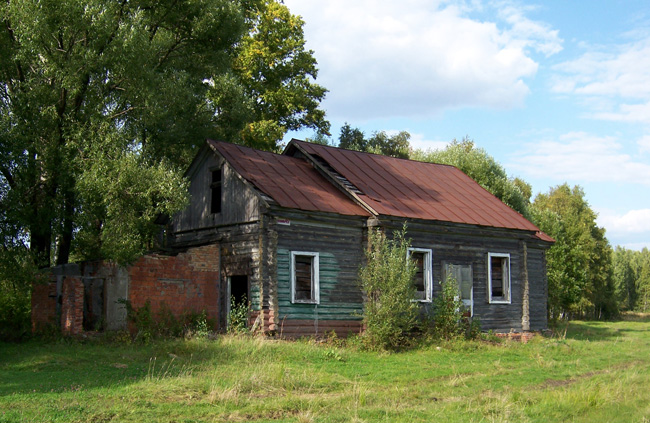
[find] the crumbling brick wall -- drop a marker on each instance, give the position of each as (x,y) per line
(188,282)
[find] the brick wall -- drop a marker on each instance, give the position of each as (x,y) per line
(187,282)
(184,283)
(72,306)
(44,303)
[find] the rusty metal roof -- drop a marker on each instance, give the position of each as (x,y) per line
(410,189)
(289,181)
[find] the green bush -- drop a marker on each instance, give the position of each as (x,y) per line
(449,314)
(390,315)
(238,317)
(164,324)
(17,273)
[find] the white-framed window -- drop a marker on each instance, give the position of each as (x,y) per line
(462,274)
(304,278)
(499,278)
(423,275)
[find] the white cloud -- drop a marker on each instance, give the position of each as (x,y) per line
(418,57)
(580,157)
(619,73)
(632,222)
(644,144)
(419,142)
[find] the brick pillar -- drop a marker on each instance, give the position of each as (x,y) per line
(72,306)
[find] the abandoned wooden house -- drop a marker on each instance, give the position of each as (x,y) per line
(287,233)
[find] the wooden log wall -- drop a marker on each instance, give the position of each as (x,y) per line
(466,245)
(338,240)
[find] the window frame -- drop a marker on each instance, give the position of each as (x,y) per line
(315,277)
(427,270)
(506,299)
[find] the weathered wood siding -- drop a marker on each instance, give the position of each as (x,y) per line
(339,244)
(239,203)
(538,282)
(464,245)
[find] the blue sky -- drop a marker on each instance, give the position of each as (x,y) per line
(556,91)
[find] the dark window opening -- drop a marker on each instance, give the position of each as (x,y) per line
(304,288)
(215,188)
(419,280)
(497,276)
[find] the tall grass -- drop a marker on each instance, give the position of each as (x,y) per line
(598,372)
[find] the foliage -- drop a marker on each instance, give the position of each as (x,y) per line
(395,145)
(484,169)
(16,277)
(580,280)
(390,314)
(272,81)
(238,316)
(165,324)
(598,373)
(632,278)
(448,311)
(104,103)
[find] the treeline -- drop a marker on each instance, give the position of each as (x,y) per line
(632,277)
(587,278)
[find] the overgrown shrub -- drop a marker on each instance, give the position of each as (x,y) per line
(164,324)
(449,314)
(390,315)
(238,316)
(17,273)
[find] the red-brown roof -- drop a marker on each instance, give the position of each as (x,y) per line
(410,189)
(291,182)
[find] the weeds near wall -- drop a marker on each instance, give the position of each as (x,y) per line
(238,316)
(164,324)
(450,319)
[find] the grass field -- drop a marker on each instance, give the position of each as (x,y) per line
(600,372)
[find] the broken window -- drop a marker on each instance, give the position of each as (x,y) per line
(215,192)
(423,277)
(499,277)
(462,274)
(304,277)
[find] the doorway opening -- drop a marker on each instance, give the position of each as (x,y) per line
(237,302)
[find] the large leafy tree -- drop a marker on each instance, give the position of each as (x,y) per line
(579,264)
(96,93)
(103,103)
(484,169)
(272,81)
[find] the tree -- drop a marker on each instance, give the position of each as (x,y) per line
(484,169)
(352,138)
(104,103)
(396,145)
(272,81)
(580,278)
(103,88)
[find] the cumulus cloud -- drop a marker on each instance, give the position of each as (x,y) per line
(644,144)
(634,221)
(619,73)
(418,57)
(579,156)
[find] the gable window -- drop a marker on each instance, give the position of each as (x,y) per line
(462,274)
(423,274)
(499,278)
(304,278)
(215,192)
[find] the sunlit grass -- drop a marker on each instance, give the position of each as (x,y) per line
(598,372)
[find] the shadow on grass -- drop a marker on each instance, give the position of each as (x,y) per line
(63,366)
(591,331)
